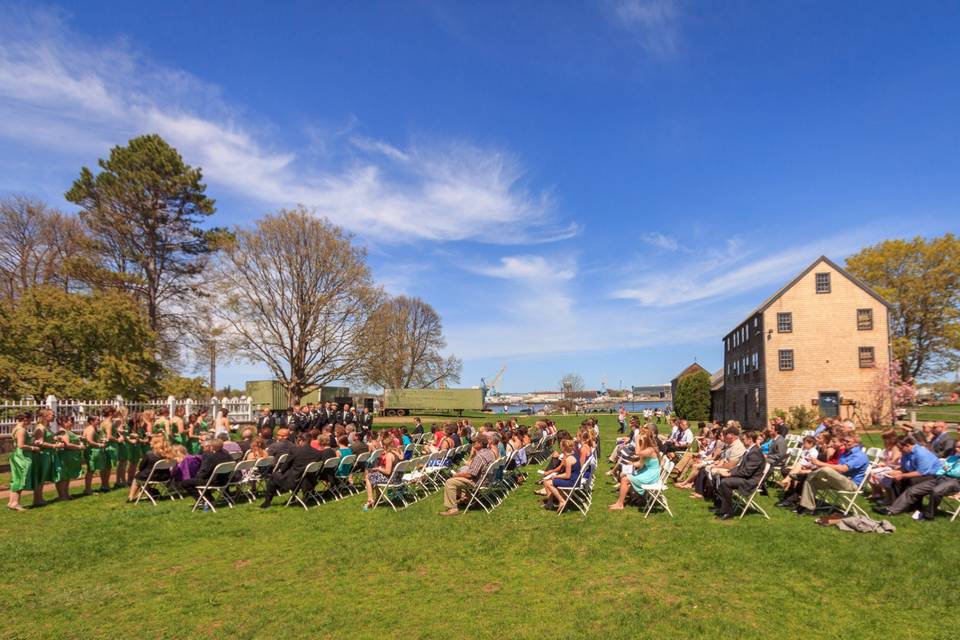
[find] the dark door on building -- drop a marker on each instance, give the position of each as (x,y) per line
(829,404)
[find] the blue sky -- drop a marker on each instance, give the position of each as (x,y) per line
(604,188)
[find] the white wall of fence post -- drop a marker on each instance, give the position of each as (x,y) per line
(52,403)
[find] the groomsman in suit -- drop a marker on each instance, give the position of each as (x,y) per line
(366,420)
(266,419)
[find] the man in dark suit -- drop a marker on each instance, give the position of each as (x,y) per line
(744,477)
(281,445)
(349,417)
(943,442)
(266,419)
(286,477)
(213,454)
(366,421)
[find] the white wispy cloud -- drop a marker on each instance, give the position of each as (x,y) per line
(660,241)
(59,90)
(654,22)
(535,269)
(735,269)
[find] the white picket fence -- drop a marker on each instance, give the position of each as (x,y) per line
(239,409)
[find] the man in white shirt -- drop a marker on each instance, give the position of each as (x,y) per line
(680,439)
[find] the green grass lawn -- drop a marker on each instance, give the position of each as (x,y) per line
(97,567)
(947,412)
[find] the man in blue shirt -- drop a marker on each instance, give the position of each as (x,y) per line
(846,475)
(948,482)
(917,476)
(823,426)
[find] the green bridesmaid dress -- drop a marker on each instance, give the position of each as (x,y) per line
(111,451)
(134,449)
(21,464)
(71,460)
(95,455)
(120,430)
(47,467)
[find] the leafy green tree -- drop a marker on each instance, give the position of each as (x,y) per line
(76,345)
(693,396)
(143,210)
(921,279)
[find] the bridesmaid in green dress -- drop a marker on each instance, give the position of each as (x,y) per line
(46,464)
(71,457)
(193,434)
(111,448)
(178,429)
(21,462)
(162,424)
(92,438)
(120,433)
(134,438)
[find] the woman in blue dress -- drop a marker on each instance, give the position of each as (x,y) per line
(647,469)
(569,473)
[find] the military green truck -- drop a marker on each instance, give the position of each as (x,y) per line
(401,402)
(273,394)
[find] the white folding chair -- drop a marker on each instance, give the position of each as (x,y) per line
(218,482)
(658,490)
(330,470)
(580,495)
(152,480)
(956,509)
(393,483)
(750,502)
(341,479)
(482,493)
(240,480)
(848,499)
(305,485)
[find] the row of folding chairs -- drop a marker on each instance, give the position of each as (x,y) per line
(414,479)
(501,477)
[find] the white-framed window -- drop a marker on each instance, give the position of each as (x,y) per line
(823,282)
(867,358)
(785,322)
(864,319)
(786,359)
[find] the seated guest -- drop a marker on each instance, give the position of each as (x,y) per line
(159,450)
(466,480)
(948,482)
(645,466)
(880,480)
(266,433)
(743,478)
(943,442)
(708,449)
(793,480)
(282,444)
(187,464)
(705,480)
(917,476)
(246,437)
(288,475)
(680,439)
(229,445)
(257,450)
(380,473)
(213,454)
(565,477)
(777,452)
(845,475)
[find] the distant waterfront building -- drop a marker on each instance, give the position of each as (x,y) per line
(660,391)
(819,342)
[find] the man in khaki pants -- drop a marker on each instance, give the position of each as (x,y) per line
(846,475)
(466,481)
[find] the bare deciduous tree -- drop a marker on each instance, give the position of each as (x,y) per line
(296,294)
(36,245)
(571,382)
(404,344)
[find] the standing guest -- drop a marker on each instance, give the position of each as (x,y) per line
(111,448)
(917,476)
(622,419)
(266,419)
(46,467)
(366,422)
(132,441)
(845,475)
(120,433)
(162,423)
(21,462)
(466,480)
(743,478)
(178,428)
(417,425)
(71,457)
(193,434)
(159,450)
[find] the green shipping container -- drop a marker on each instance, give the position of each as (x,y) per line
(404,401)
(271,392)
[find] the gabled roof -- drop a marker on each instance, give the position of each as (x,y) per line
(782,290)
(693,368)
(716,380)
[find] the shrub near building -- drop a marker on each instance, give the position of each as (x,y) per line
(692,401)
